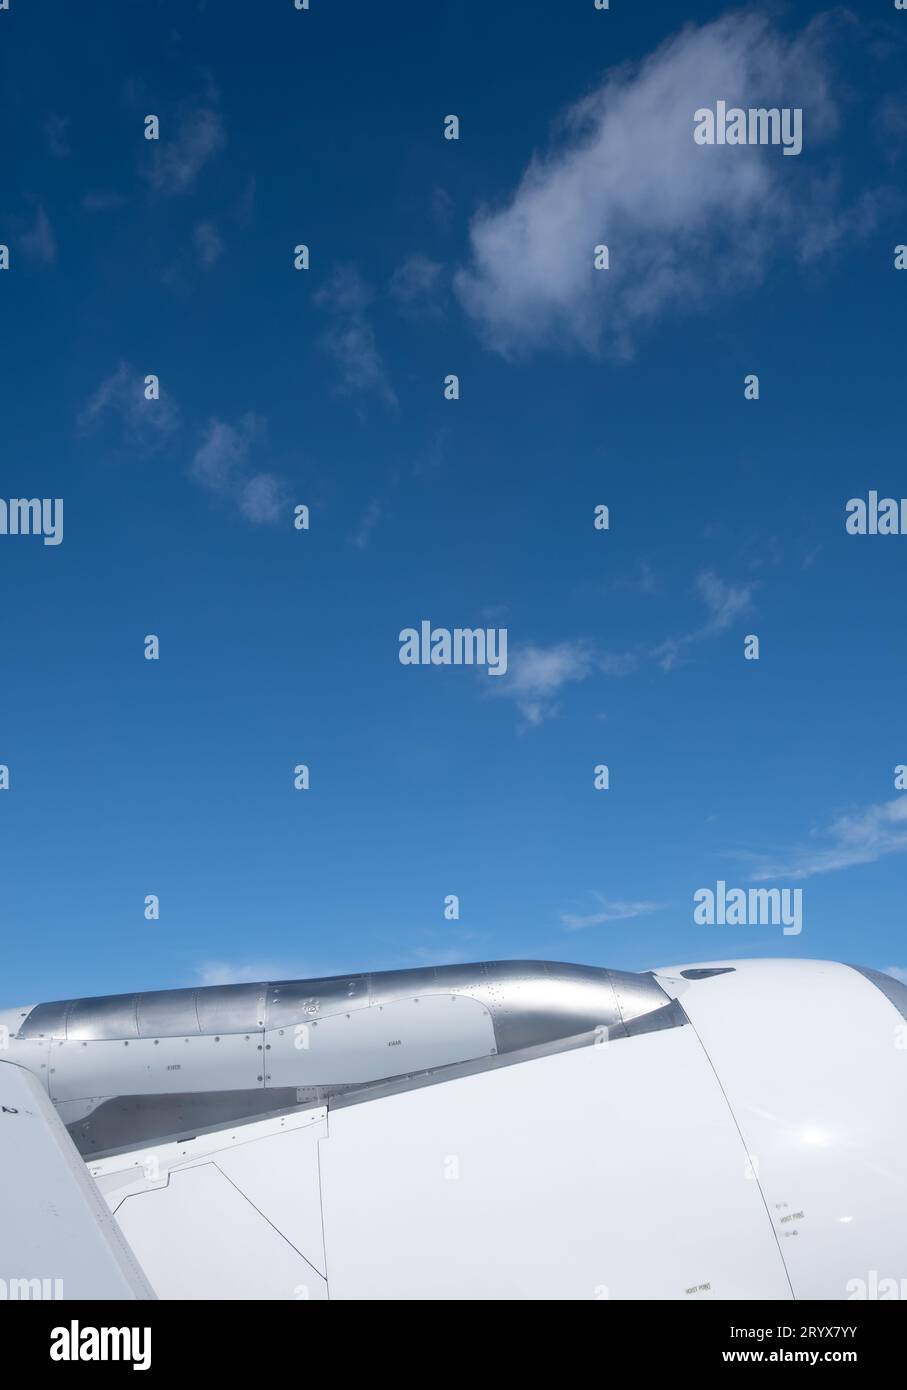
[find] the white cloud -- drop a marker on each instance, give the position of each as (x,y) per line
(607,912)
(645,581)
(222,465)
(891,123)
(102,201)
(263,499)
(536,675)
(177,158)
(682,221)
(55,128)
(145,425)
(367,523)
(725,604)
(617,663)
(860,837)
(208,244)
(221,972)
(39,243)
(350,339)
(221,458)
(417,287)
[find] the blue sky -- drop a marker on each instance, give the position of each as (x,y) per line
(324,387)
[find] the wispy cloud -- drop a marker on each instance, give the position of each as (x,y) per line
(605,913)
(222,972)
(222,465)
(221,459)
(859,837)
(683,222)
(264,499)
(442,209)
(644,581)
(536,675)
(55,128)
(175,160)
(891,124)
(350,339)
(208,244)
(38,243)
(725,604)
(367,523)
(418,289)
(101,201)
(145,425)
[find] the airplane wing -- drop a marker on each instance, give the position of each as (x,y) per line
(59,1238)
(533,1130)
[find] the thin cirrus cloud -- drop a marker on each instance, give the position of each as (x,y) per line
(606,912)
(38,242)
(725,604)
(222,464)
(223,972)
(350,338)
(145,425)
(682,221)
(56,133)
(537,675)
(208,244)
(176,159)
(417,286)
(859,837)
(367,522)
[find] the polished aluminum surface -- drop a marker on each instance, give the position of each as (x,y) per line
(529,1001)
(130,1068)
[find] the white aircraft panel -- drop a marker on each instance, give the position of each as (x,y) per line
(54,1226)
(279,1176)
(611,1171)
(813,1059)
(199,1237)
